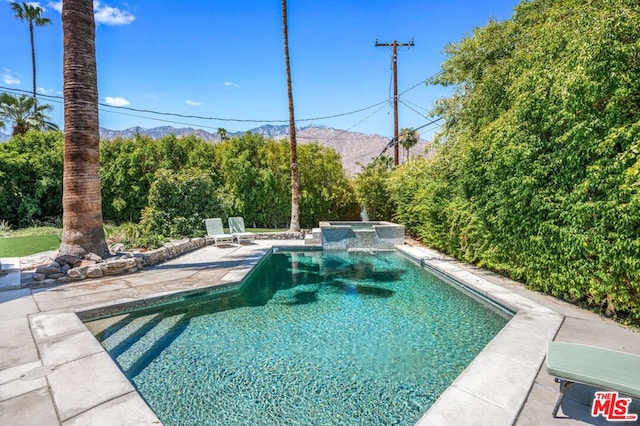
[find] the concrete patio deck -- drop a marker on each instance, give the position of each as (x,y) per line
(52,370)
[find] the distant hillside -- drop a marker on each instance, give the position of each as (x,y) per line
(354,148)
(157,133)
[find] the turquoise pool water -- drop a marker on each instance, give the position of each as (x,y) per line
(312,338)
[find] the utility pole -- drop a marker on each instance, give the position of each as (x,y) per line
(395,45)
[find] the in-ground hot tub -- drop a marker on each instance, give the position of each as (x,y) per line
(354,235)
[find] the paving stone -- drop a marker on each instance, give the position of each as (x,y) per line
(531,348)
(68,348)
(17,303)
(13,373)
(30,409)
(16,343)
(86,388)
(19,387)
(11,383)
(129,409)
(49,325)
(456,407)
(507,388)
(86,383)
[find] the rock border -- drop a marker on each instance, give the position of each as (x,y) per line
(67,268)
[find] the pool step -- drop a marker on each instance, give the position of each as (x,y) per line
(141,341)
(314,238)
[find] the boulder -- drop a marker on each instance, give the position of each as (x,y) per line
(94,257)
(77,274)
(95,271)
(38,277)
(52,268)
(69,259)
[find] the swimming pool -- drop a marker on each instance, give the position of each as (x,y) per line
(311,338)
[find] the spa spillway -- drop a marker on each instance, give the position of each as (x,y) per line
(354,235)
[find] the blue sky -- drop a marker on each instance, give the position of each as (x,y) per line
(224,59)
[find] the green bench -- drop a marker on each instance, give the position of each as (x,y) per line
(598,367)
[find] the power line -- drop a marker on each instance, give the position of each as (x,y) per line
(429,123)
(415,105)
(122,111)
(411,108)
(197,117)
(415,85)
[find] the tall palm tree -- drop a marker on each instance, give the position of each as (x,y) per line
(407,139)
(295,184)
(222,132)
(24,116)
(82,224)
(33,15)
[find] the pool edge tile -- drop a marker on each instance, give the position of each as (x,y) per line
(482,397)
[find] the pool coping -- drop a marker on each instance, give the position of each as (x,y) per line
(73,361)
(491,390)
(494,387)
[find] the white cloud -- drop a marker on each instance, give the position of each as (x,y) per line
(103,13)
(34,4)
(118,101)
(231,84)
(30,3)
(111,15)
(8,78)
(55,5)
(194,103)
(46,91)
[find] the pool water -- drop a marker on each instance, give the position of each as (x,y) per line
(312,338)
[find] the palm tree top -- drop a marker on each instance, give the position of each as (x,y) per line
(24,114)
(30,13)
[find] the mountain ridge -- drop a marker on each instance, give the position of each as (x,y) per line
(354,148)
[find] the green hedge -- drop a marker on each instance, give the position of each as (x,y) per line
(537,171)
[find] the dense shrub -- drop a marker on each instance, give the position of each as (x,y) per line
(257,182)
(325,192)
(128,168)
(537,170)
(372,192)
(171,184)
(31,178)
(179,202)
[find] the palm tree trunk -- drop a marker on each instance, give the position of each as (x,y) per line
(33,67)
(295,185)
(81,200)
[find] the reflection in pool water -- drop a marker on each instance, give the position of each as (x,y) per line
(311,338)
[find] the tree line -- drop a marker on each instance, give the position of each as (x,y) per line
(171,184)
(537,167)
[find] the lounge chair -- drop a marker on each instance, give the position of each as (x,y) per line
(215,230)
(598,367)
(236,226)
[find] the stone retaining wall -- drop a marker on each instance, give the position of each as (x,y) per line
(281,235)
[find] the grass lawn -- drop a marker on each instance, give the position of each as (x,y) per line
(24,246)
(27,241)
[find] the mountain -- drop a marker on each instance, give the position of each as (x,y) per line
(354,148)
(157,133)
